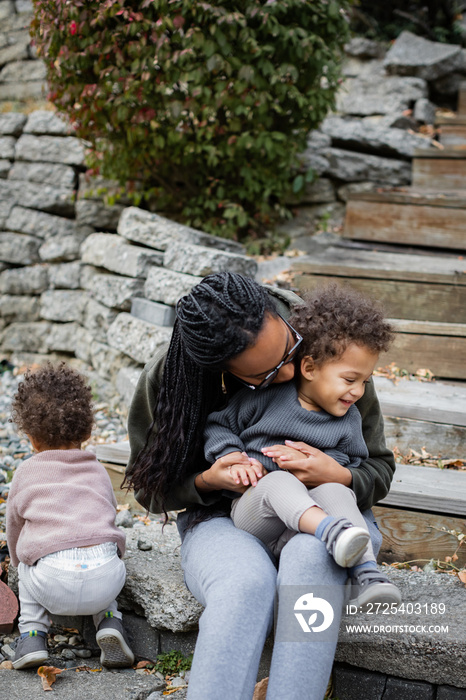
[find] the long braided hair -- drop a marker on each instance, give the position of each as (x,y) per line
(220,318)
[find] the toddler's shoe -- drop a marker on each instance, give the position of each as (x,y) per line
(111,638)
(30,651)
(369,585)
(345,542)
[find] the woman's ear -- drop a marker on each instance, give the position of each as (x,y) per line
(308,368)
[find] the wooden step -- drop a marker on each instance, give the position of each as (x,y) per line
(412,287)
(409,216)
(428,489)
(453,136)
(445,169)
(416,536)
(462,99)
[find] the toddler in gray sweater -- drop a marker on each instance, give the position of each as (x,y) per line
(334,340)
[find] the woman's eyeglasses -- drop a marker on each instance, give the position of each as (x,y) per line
(273,373)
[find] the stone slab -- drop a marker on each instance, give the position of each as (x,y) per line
(7,147)
(167,286)
(23,91)
(45,173)
(12,123)
(5,166)
(44,122)
(65,275)
(449,692)
(351,166)
(25,280)
(23,71)
(379,95)
(100,216)
(153,312)
(63,305)
(19,308)
(26,337)
(8,608)
(107,360)
(18,249)
(158,232)
(126,382)
(136,338)
(351,683)
(63,248)
(201,261)
(413,55)
(97,319)
(51,149)
(39,223)
(63,337)
(113,253)
(408,647)
(397,689)
(55,200)
(114,291)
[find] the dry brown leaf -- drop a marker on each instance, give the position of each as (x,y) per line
(462,576)
(7,665)
(143,664)
(48,675)
(260,691)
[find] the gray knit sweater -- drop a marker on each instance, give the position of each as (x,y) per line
(256,419)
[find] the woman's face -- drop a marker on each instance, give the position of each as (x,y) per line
(273,343)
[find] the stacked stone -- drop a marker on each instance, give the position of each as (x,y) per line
(81,278)
(22,74)
(383,103)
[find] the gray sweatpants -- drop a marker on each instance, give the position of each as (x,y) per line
(271,510)
(45,589)
(234,576)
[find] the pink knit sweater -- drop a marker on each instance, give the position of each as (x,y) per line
(60,499)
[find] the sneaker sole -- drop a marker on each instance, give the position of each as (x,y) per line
(115,652)
(377,593)
(35,658)
(350,546)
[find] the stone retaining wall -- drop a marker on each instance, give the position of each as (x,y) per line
(100,282)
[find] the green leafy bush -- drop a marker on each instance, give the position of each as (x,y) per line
(201,107)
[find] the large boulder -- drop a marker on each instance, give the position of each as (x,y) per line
(200,260)
(419,57)
(353,167)
(362,135)
(154,580)
(114,253)
(136,338)
(379,95)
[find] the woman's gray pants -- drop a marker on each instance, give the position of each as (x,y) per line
(233,575)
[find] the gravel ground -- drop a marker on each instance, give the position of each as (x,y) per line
(67,648)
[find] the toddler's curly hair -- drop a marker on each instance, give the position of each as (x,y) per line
(333,317)
(53,405)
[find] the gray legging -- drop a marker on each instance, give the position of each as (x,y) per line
(233,575)
(271,510)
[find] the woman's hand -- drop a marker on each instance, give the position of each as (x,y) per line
(234,472)
(310,465)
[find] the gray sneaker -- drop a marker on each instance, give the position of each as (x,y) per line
(369,585)
(114,647)
(30,651)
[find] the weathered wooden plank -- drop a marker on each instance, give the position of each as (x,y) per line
(426,328)
(444,173)
(455,199)
(453,120)
(428,489)
(409,300)
(116,474)
(347,262)
(439,402)
(442,356)
(442,154)
(431,226)
(453,136)
(462,99)
(410,535)
(446,441)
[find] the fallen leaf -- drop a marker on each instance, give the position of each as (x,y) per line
(6,664)
(462,576)
(48,675)
(143,664)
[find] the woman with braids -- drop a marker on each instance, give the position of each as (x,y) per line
(231,331)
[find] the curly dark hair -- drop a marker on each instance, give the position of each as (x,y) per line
(333,317)
(53,406)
